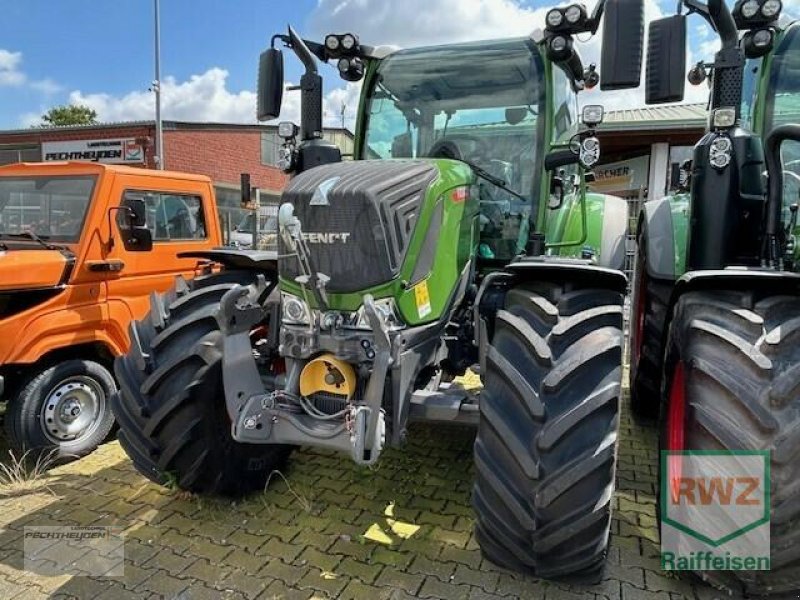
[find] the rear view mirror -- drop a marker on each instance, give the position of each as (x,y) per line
(136,236)
(623,40)
(666,60)
(137,209)
(270,84)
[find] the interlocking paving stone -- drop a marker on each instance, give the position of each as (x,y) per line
(304,537)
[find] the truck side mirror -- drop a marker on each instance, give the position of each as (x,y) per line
(623,41)
(666,60)
(270,84)
(136,235)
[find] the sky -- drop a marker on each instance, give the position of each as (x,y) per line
(100,53)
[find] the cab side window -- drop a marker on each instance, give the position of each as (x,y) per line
(171,217)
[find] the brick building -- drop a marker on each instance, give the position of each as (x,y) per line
(222,151)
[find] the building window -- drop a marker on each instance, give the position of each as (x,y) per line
(15,154)
(171,216)
(270,144)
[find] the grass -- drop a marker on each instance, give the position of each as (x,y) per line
(27,472)
(301,499)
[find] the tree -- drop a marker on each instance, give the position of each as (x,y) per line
(69,114)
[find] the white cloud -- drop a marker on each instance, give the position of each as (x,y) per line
(423,22)
(206,97)
(46,86)
(203,97)
(10,75)
(428,22)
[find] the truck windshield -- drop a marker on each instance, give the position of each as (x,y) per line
(52,208)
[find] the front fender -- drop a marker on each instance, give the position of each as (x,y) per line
(665,223)
(565,269)
(605,232)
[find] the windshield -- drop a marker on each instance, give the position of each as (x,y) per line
(784,93)
(52,208)
(479,102)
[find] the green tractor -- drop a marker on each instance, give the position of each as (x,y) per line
(462,237)
(715,349)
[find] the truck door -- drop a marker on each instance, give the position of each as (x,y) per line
(178,218)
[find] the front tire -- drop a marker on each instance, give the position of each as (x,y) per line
(739,353)
(546,446)
(171,407)
(62,411)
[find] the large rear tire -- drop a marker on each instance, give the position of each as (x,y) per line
(546,446)
(740,357)
(171,407)
(650,302)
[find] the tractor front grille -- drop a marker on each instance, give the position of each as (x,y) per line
(357,219)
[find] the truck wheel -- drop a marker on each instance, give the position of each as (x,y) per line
(173,423)
(546,445)
(733,374)
(62,411)
(650,302)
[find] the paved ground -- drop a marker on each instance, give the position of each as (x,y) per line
(403,529)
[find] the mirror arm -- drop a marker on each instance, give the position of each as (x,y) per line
(698,8)
(301,50)
(279,36)
(131,214)
(596,17)
(725,25)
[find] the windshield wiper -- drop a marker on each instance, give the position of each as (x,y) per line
(480,172)
(32,236)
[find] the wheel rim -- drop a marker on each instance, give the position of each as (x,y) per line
(72,409)
(676,427)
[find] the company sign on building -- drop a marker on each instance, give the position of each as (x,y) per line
(114,151)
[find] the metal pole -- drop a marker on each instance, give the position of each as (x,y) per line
(159,157)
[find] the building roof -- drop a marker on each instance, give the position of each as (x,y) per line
(167,125)
(676,116)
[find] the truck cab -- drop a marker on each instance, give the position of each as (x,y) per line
(73,276)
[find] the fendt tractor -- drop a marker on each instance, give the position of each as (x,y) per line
(82,247)
(716,334)
(440,248)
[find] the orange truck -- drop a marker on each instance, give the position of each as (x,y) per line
(82,248)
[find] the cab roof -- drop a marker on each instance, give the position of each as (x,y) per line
(91,168)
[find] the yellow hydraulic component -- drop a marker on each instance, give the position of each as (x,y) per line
(326,373)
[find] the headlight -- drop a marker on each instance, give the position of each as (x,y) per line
(558,43)
(348,41)
(332,42)
(723,118)
(762,38)
(573,14)
(385,306)
(749,9)
(771,8)
(555,18)
(720,152)
(294,310)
